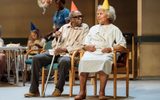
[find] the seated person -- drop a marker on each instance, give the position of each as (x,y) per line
(98,46)
(71,37)
(35,40)
(3,78)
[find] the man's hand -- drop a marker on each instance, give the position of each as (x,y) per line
(57,33)
(106,50)
(60,50)
(90,48)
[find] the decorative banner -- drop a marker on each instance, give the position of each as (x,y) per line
(44,4)
(105,4)
(73,7)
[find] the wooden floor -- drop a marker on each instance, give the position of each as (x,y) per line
(143,89)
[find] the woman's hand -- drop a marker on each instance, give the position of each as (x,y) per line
(106,50)
(90,48)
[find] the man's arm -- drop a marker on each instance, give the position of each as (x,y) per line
(78,43)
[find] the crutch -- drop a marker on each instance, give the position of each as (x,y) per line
(43,94)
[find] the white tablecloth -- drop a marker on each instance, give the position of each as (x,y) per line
(12,54)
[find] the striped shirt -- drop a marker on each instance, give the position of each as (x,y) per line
(72,37)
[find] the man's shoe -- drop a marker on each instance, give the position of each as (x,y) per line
(4,79)
(56,93)
(32,94)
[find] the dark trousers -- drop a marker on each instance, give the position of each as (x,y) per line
(44,60)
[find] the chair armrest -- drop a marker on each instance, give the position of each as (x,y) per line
(30,51)
(125,57)
(77,53)
(42,51)
(125,50)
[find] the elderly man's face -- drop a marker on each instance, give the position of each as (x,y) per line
(102,16)
(77,18)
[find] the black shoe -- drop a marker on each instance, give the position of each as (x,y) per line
(67,78)
(4,79)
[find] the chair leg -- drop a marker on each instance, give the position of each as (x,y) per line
(43,81)
(127,83)
(95,85)
(73,77)
(115,86)
(55,76)
(127,87)
(70,83)
(127,79)
(24,76)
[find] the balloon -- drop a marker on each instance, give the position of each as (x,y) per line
(44,4)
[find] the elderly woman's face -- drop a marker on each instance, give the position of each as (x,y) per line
(102,16)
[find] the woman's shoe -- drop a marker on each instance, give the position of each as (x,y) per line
(80,97)
(102,98)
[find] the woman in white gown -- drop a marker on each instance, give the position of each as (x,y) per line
(101,40)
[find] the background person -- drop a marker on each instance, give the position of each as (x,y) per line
(3,78)
(35,40)
(60,18)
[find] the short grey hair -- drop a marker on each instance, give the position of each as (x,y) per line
(74,13)
(110,12)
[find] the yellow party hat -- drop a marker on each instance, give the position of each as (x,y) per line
(105,4)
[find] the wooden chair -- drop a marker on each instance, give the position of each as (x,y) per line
(75,57)
(44,70)
(122,62)
(28,61)
(74,69)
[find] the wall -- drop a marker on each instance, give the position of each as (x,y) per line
(149,50)
(16,15)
